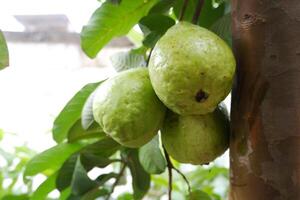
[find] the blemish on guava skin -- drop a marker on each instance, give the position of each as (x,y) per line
(201,96)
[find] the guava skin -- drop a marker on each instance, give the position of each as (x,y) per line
(196,139)
(191,69)
(127,108)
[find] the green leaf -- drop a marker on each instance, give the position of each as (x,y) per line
(126,60)
(151,157)
(81,183)
(163,6)
(208,15)
(65,173)
(45,188)
(91,160)
(71,112)
(198,195)
(65,194)
(103,178)
(104,147)
(140,178)
(111,21)
(78,133)
(16,197)
(222,27)
(154,26)
(93,194)
(51,159)
(4,58)
(125,196)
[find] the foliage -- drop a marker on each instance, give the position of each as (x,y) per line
(81,143)
(4,62)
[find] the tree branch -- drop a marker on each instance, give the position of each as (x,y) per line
(116,182)
(184,6)
(198,11)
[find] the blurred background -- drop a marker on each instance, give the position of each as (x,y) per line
(47,67)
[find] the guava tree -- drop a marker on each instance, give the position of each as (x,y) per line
(82,144)
(265,109)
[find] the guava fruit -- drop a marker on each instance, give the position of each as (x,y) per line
(191,69)
(196,139)
(127,108)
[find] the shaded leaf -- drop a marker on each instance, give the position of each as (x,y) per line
(51,159)
(45,188)
(87,117)
(65,194)
(222,27)
(93,194)
(91,160)
(163,6)
(103,178)
(78,133)
(81,183)
(208,15)
(126,60)
(154,26)
(111,21)
(151,157)
(65,173)
(104,147)
(4,58)
(71,113)
(140,178)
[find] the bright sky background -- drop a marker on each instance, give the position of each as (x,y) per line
(78,11)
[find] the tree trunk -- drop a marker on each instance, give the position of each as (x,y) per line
(265,141)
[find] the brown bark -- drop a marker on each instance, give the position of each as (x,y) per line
(265,142)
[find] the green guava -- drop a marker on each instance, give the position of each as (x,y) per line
(127,108)
(191,69)
(196,139)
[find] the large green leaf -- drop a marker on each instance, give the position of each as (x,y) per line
(65,173)
(45,188)
(208,15)
(15,197)
(111,21)
(151,157)
(87,117)
(90,160)
(71,112)
(198,195)
(140,178)
(222,27)
(4,58)
(81,183)
(76,132)
(163,6)
(94,194)
(51,159)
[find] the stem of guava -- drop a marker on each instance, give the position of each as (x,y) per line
(116,181)
(198,11)
(184,6)
(169,166)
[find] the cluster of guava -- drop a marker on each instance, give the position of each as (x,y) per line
(190,72)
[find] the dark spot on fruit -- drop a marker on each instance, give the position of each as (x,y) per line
(273,56)
(202,73)
(201,96)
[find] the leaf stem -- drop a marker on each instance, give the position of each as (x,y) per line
(184,6)
(117,181)
(170,166)
(198,11)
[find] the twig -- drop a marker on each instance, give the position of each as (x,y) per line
(117,181)
(198,11)
(184,6)
(170,166)
(185,179)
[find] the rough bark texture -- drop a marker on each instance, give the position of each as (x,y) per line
(265,143)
